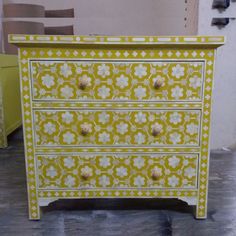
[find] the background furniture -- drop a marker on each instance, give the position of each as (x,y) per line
(59,30)
(10,108)
(60,13)
(19,27)
(117,118)
(23,10)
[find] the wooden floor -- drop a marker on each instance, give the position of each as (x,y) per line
(115,217)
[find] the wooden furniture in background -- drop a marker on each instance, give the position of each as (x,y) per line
(60,13)
(10,108)
(23,10)
(59,30)
(19,27)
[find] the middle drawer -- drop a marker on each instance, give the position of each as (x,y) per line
(117,127)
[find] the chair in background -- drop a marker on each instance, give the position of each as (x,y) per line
(68,13)
(19,27)
(59,30)
(23,10)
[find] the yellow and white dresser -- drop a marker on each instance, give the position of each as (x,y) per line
(116,117)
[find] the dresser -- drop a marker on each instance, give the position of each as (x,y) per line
(116,117)
(10,107)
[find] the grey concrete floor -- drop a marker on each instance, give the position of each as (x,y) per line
(115,216)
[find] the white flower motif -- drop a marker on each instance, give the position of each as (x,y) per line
(140,92)
(104,162)
(178,71)
(67,92)
(138,162)
(122,81)
(121,171)
(140,70)
(140,117)
(195,82)
(51,172)
(175,138)
(103,117)
(139,181)
(66,70)
(48,80)
(173,181)
(175,118)
(49,128)
(177,92)
(103,70)
(70,181)
(190,172)
(192,128)
(67,117)
(139,138)
(103,92)
(68,137)
(104,180)
(69,162)
(104,137)
(122,128)
(174,161)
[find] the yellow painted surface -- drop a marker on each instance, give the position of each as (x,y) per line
(10,110)
(96,125)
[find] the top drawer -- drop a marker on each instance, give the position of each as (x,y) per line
(103,80)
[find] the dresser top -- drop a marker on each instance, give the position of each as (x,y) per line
(211,41)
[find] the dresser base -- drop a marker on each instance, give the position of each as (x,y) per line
(45,201)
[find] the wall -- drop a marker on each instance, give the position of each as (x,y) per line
(224,96)
(124,17)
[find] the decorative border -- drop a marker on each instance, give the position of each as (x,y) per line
(201,210)
(164,40)
(111,193)
(27,108)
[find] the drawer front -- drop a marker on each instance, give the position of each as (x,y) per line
(117,127)
(117,80)
(117,171)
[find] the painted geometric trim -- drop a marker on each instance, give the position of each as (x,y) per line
(102,193)
(166,40)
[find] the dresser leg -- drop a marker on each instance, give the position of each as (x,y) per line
(34,212)
(201,210)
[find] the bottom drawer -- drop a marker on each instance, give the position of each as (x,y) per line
(117,171)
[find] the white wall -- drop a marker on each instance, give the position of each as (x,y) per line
(224,94)
(123,17)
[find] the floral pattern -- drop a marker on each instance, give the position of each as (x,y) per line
(117,81)
(124,171)
(117,128)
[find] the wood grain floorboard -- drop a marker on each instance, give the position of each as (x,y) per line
(115,217)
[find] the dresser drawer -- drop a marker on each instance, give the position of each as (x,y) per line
(108,80)
(117,171)
(117,127)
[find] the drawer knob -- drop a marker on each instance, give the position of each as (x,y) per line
(156,130)
(158,83)
(86,175)
(86,129)
(83,83)
(155,175)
